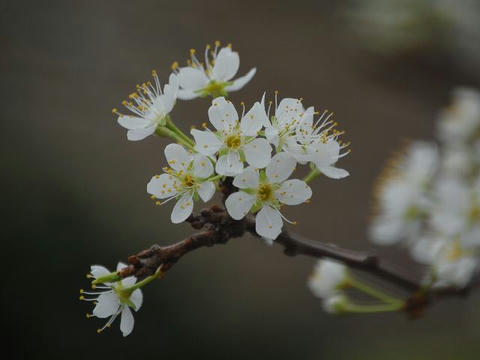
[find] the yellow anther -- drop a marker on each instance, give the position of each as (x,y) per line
(204,125)
(88,316)
(133,95)
(192,51)
(124,103)
(175,65)
(153,197)
(81,297)
(94,286)
(208,46)
(217,43)
(154,73)
(99,331)
(114,111)
(158,203)
(229,45)
(81,291)
(89,276)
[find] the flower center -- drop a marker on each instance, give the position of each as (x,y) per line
(233,141)
(265,192)
(188,181)
(454,252)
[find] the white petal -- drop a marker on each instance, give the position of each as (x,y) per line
(107,305)
(140,134)
(99,271)
(206,142)
(241,81)
(187,94)
(132,122)
(202,166)
(229,164)
(192,79)
(162,186)
(247,179)
(206,190)
(182,209)
(170,90)
(281,167)
(325,154)
(222,114)
(253,120)
(288,111)
(177,157)
(126,321)
(294,192)
(121,265)
(226,64)
(271,134)
(258,153)
(137,299)
(129,281)
(268,223)
(239,204)
(333,172)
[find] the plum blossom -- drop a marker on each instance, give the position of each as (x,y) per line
(402,196)
(267,190)
(150,107)
(114,299)
(460,122)
(328,278)
(186,179)
(214,77)
(292,129)
(233,139)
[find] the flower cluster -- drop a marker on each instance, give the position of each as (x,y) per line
(114,298)
(429,197)
(258,151)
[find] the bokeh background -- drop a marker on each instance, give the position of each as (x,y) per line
(73,187)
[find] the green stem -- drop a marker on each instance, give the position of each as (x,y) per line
(166,132)
(312,175)
(144,281)
(362,309)
(175,129)
(378,294)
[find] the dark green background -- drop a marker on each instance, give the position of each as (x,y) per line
(73,187)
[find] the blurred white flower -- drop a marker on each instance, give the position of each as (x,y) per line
(328,278)
(457,206)
(150,107)
(335,304)
(234,140)
(114,299)
(453,265)
(187,178)
(214,77)
(267,191)
(402,197)
(460,123)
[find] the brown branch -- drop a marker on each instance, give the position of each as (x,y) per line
(218,227)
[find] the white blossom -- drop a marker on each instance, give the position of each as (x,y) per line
(187,178)
(335,304)
(457,206)
(233,139)
(460,122)
(214,77)
(402,196)
(293,130)
(114,299)
(328,278)
(150,107)
(266,191)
